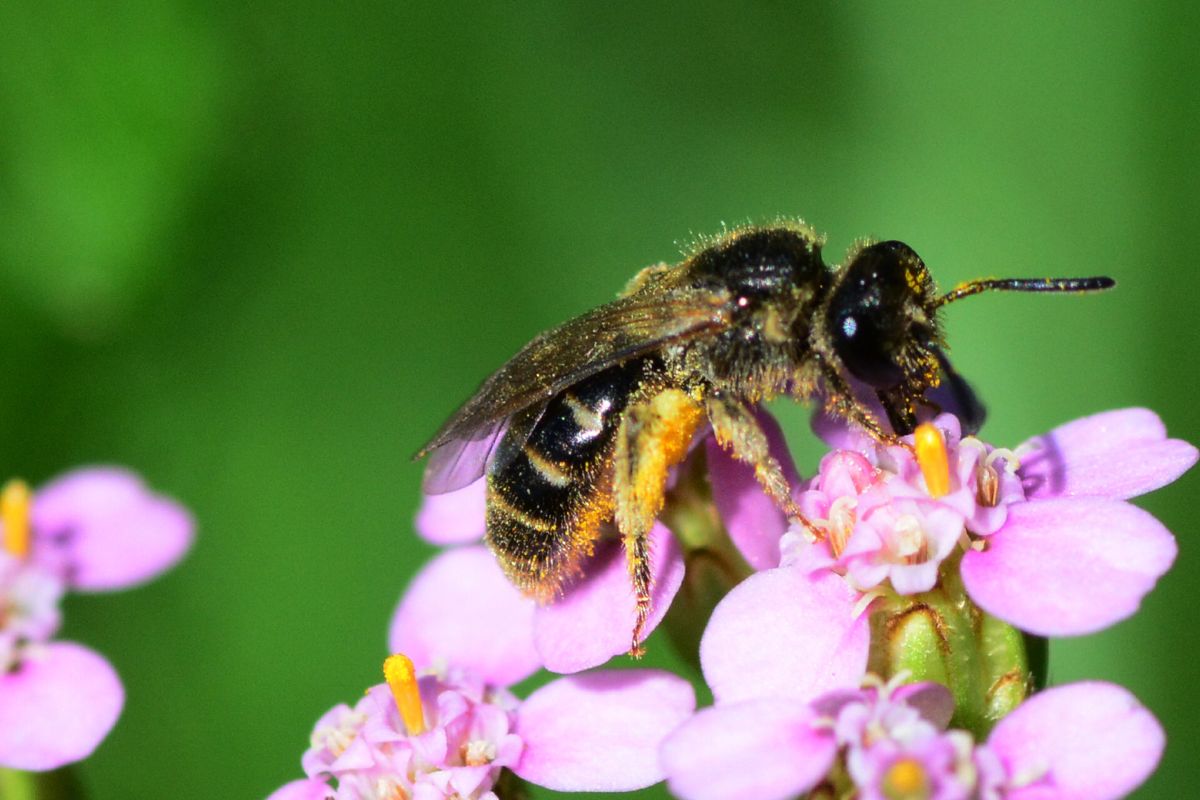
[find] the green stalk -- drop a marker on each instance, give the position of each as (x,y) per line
(60,784)
(942,636)
(712,563)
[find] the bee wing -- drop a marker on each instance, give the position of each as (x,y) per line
(461,462)
(631,326)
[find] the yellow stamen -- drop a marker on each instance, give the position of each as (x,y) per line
(906,780)
(15,500)
(931,455)
(402,678)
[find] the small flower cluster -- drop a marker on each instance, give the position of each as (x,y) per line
(384,748)
(896,514)
(456,730)
(91,530)
(888,741)
(1048,543)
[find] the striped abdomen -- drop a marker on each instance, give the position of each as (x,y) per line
(548,494)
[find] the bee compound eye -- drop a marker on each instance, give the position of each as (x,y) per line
(866,348)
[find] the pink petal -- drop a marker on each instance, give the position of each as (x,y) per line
(56,707)
(1068,566)
(116,532)
(454,517)
(781,633)
(1093,740)
(305,789)
(593,621)
(600,732)
(763,749)
(753,520)
(1119,454)
(838,434)
(461,610)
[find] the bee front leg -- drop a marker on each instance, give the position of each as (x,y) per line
(840,400)
(738,431)
(653,436)
(901,410)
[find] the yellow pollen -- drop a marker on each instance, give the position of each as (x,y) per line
(402,679)
(906,780)
(15,500)
(931,455)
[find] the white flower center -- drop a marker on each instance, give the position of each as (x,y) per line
(479,752)
(336,738)
(909,540)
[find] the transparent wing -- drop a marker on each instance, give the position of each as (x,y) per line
(608,335)
(461,462)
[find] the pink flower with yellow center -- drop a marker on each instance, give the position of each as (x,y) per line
(889,742)
(90,530)
(452,730)
(1051,545)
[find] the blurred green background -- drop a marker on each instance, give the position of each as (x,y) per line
(258,253)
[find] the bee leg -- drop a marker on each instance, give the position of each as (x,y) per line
(738,431)
(840,400)
(653,436)
(901,410)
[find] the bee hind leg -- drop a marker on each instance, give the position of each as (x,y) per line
(654,436)
(738,431)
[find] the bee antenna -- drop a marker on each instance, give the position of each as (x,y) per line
(1097,284)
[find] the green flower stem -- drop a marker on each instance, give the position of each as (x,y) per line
(942,636)
(712,563)
(16,785)
(60,784)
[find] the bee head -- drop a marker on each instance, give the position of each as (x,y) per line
(881,317)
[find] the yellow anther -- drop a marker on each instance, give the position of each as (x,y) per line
(906,779)
(15,500)
(931,455)
(401,677)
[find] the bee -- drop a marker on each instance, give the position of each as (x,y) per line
(583,424)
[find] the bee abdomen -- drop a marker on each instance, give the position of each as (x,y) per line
(546,501)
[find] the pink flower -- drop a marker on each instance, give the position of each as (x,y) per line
(925,766)
(591,622)
(1055,549)
(451,731)
(902,542)
(1089,740)
(91,530)
(767,746)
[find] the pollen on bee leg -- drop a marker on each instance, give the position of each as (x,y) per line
(931,455)
(401,678)
(15,501)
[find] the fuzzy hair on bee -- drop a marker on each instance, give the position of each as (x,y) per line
(582,426)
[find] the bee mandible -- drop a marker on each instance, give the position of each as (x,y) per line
(583,424)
